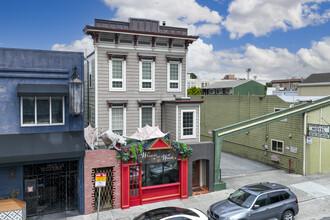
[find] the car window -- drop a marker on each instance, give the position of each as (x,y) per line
(242,198)
(275,197)
(285,195)
(262,200)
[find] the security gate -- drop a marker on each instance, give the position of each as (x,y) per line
(50,187)
(107,197)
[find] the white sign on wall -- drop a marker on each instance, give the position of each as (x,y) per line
(321,131)
(309,140)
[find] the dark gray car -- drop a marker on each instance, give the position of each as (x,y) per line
(256,201)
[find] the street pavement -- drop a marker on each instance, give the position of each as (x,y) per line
(313,192)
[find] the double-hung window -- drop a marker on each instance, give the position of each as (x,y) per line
(38,111)
(147,114)
(174,69)
(147,74)
(117,72)
(117,118)
(277,146)
(188,124)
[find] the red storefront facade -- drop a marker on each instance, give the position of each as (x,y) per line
(154,177)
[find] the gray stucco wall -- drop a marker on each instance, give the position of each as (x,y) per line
(202,151)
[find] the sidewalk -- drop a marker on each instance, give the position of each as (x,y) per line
(307,188)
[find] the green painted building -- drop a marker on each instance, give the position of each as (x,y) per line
(280,144)
(234,87)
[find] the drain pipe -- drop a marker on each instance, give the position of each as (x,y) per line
(290,165)
(304,142)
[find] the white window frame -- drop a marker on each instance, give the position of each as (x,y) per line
(35,112)
(124,117)
(152,80)
(169,89)
(140,115)
(271,146)
(194,125)
(123,80)
(279,109)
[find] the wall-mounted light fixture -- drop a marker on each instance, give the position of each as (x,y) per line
(75,94)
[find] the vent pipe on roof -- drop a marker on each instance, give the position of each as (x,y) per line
(164,23)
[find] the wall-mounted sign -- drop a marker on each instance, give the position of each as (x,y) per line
(100,179)
(275,158)
(158,156)
(321,131)
(287,148)
(309,140)
(293,149)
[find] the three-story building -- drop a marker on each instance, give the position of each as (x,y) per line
(137,77)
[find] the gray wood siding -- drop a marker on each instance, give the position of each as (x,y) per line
(132,93)
(169,119)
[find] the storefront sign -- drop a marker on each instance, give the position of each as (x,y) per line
(321,131)
(158,156)
(100,179)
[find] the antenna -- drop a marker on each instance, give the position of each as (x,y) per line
(248,70)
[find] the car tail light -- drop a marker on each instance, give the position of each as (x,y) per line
(297,200)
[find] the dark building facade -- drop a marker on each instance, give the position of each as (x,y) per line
(41,129)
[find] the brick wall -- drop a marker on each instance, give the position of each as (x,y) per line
(99,159)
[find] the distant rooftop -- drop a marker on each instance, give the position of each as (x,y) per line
(287,80)
(318,78)
(226,84)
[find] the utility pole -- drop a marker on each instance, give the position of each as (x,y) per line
(248,70)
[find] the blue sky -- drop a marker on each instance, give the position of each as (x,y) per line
(276,38)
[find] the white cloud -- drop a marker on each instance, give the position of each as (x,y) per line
(83,45)
(267,64)
(261,17)
(183,13)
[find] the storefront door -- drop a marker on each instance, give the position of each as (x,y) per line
(135,185)
(50,187)
(196,173)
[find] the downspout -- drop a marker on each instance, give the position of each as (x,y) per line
(320,163)
(96,87)
(304,143)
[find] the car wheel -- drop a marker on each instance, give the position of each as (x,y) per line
(288,215)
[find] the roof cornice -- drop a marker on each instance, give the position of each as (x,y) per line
(91,29)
